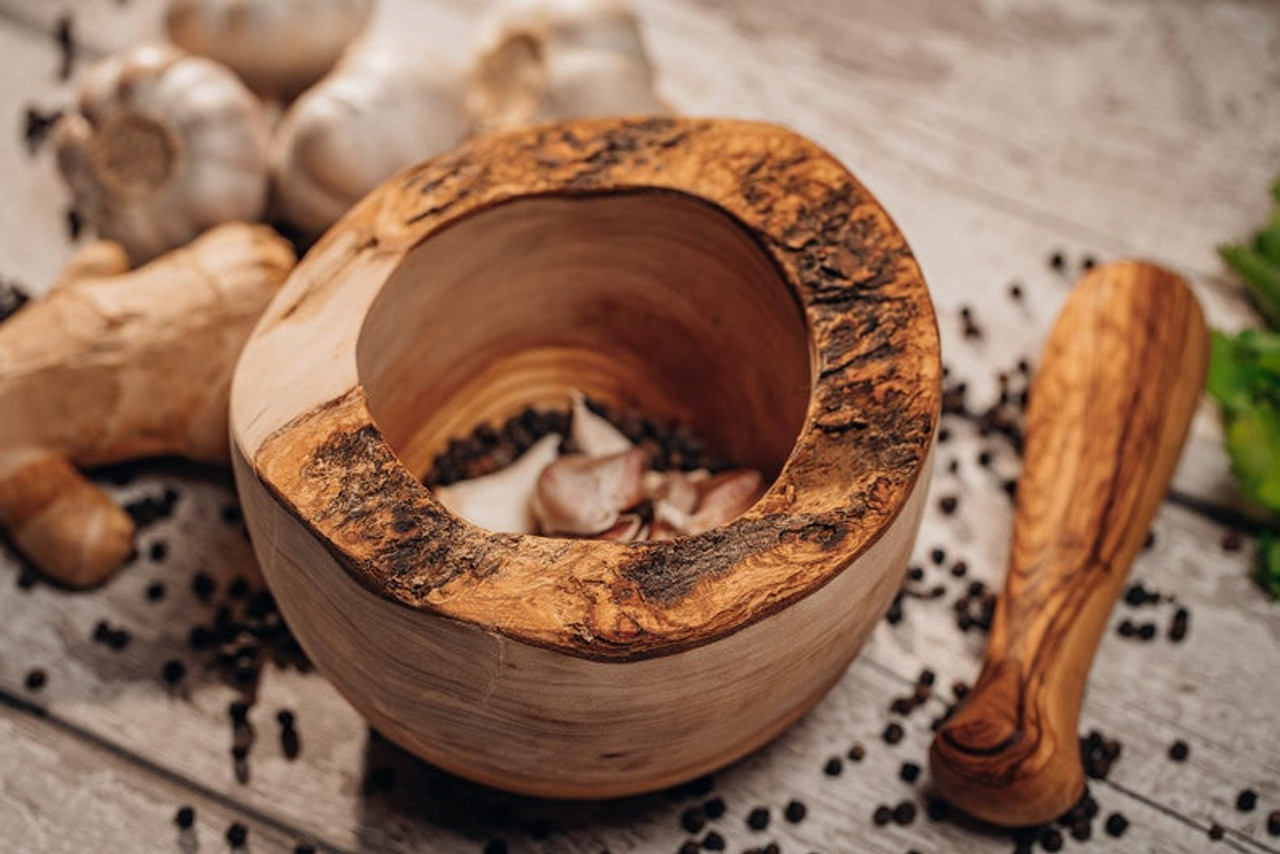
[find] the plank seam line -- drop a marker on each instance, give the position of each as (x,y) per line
(1190,822)
(175,778)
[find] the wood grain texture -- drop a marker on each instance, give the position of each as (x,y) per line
(60,795)
(579,635)
(1118,382)
(963,168)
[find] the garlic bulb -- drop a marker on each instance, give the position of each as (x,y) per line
(278,47)
(163,145)
(539,60)
(385,106)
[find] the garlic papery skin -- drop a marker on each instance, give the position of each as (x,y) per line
(723,497)
(385,106)
(502,501)
(583,496)
(539,60)
(162,146)
(278,47)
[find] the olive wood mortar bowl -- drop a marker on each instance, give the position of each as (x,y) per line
(728,274)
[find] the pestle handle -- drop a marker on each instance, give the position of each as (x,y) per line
(1109,409)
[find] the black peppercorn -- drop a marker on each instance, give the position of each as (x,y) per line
(1178,751)
(173,671)
(1116,825)
(155,591)
(834,767)
(1247,800)
(693,820)
(909,772)
(714,808)
(1273,823)
(904,813)
(882,816)
(185,817)
(947,504)
(1058,261)
(1178,627)
(938,556)
(237,834)
(713,841)
(1051,839)
(857,753)
(758,818)
(893,734)
(36,679)
(1216,831)
(795,811)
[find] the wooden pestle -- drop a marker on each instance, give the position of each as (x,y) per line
(1110,405)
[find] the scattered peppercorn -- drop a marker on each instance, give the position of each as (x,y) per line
(1058,261)
(1231,541)
(1247,800)
(159,551)
(173,671)
(909,772)
(237,835)
(1147,631)
(959,569)
(758,818)
(1216,831)
(1089,263)
(714,808)
(857,752)
(947,504)
(693,820)
(155,591)
(882,816)
(36,679)
(1273,823)
(795,811)
(893,733)
(1179,750)
(938,556)
(1051,839)
(689,846)
(1116,825)
(834,767)
(1015,291)
(904,813)
(203,586)
(1179,625)
(713,841)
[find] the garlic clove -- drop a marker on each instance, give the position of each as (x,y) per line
(629,528)
(278,47)
(724,497)
(582,496)
(501,502)
(593,435)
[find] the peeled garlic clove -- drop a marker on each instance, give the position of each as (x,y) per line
(538,60)
(501,501)
(629,528)
(163,146)
(278,47)
(724,497)
(593,435)
(582,496)
(386,106)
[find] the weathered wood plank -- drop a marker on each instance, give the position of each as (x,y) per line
(986,178)
(60,794)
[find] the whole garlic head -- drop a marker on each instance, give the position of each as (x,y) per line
(163,145)
(278,47)
(385,106)
(539,60)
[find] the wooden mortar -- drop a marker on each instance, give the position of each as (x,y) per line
(729,274)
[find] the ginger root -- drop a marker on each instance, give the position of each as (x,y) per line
(113,365)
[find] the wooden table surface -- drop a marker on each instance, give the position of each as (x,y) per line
(996,132)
